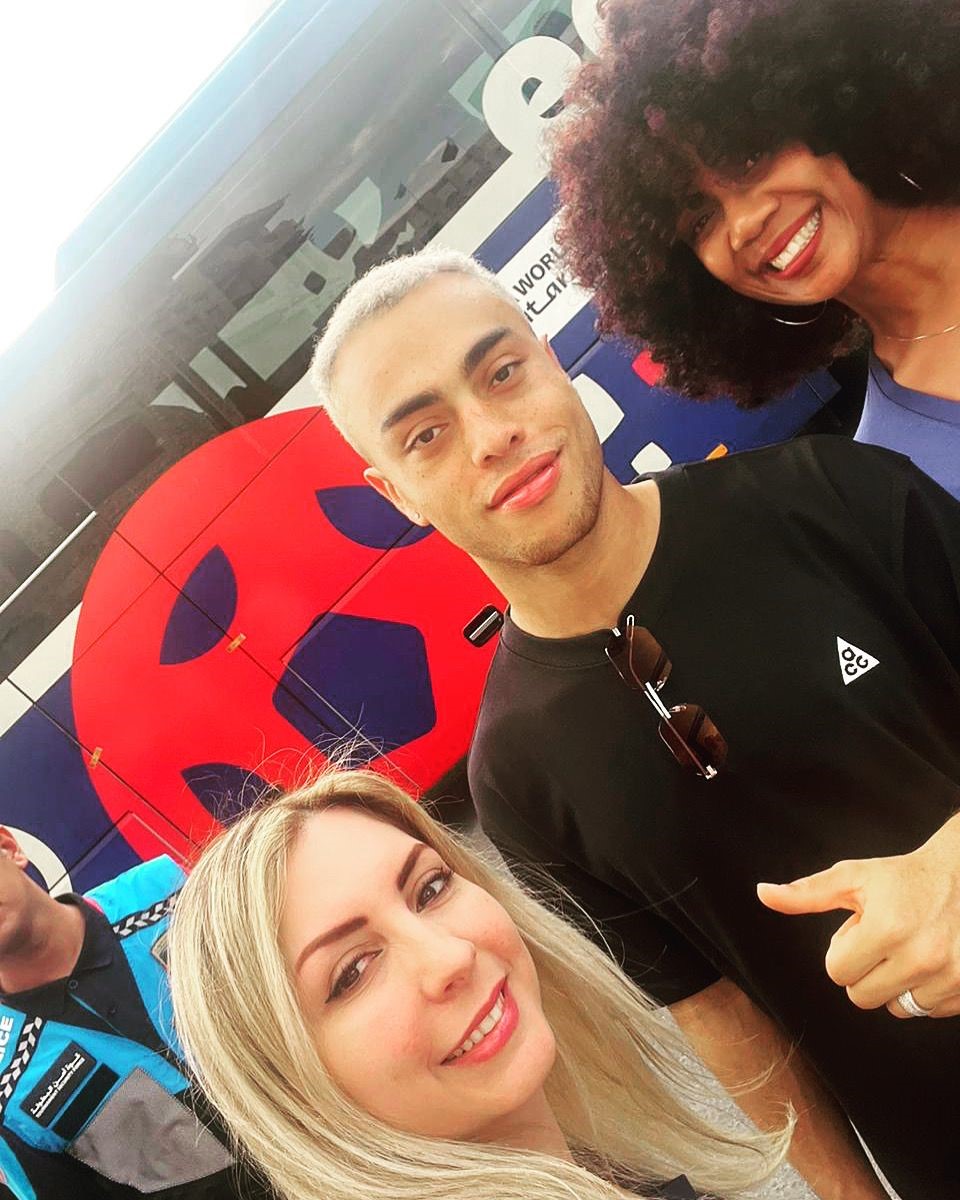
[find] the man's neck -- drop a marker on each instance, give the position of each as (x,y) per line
(48,950)
(586,589)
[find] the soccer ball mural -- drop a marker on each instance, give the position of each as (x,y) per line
(297,616)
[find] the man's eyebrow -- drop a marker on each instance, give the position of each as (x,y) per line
(355,923)
(480,349)
(471,360)
(407,408)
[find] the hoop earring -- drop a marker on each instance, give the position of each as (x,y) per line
(913,183)
(799,324)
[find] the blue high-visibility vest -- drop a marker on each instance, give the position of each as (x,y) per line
(100,1097)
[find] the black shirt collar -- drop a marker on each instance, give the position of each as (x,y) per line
(650,597)
(96,952)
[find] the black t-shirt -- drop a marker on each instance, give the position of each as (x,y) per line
(676,1189)
(763,561)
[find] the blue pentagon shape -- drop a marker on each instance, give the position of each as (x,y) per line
(373,677)
(225,790)
(363,516)
(39,758)
(203,612)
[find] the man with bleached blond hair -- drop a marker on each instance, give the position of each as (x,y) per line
(735,671)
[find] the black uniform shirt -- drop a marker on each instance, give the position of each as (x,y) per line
(764,562)
(99,993)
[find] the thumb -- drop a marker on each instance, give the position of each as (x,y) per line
(837,887)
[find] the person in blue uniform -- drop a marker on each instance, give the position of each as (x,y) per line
(94,1101)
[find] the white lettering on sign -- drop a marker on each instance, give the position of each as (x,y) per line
(6,1027)
(536,280)
(516,122)
(586,21)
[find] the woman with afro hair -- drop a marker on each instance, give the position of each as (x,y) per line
(756,187)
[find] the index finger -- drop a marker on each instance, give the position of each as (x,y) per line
(836,887)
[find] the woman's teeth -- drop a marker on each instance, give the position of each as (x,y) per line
(798,243)
(489,1022)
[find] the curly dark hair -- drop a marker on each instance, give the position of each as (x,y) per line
(876,82)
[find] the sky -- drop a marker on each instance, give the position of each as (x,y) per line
(83,88)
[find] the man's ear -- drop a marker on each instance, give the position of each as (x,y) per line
(545,342)
(11,848)
(382,485)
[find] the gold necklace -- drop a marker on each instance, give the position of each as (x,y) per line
(921,337)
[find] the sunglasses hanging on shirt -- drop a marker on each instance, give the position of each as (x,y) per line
(685,729)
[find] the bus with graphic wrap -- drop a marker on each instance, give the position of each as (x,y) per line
(199,597)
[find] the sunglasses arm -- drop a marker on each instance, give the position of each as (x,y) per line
(651,693)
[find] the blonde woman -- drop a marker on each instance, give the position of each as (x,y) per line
(379,1013)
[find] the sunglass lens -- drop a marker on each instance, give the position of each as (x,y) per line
(691,730)
(648,662)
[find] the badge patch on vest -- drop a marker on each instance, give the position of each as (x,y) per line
(59,1084)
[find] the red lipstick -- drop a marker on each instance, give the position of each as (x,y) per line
(496,1039)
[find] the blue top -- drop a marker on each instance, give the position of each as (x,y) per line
(926,428)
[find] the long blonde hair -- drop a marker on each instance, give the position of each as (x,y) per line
(617,1089)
